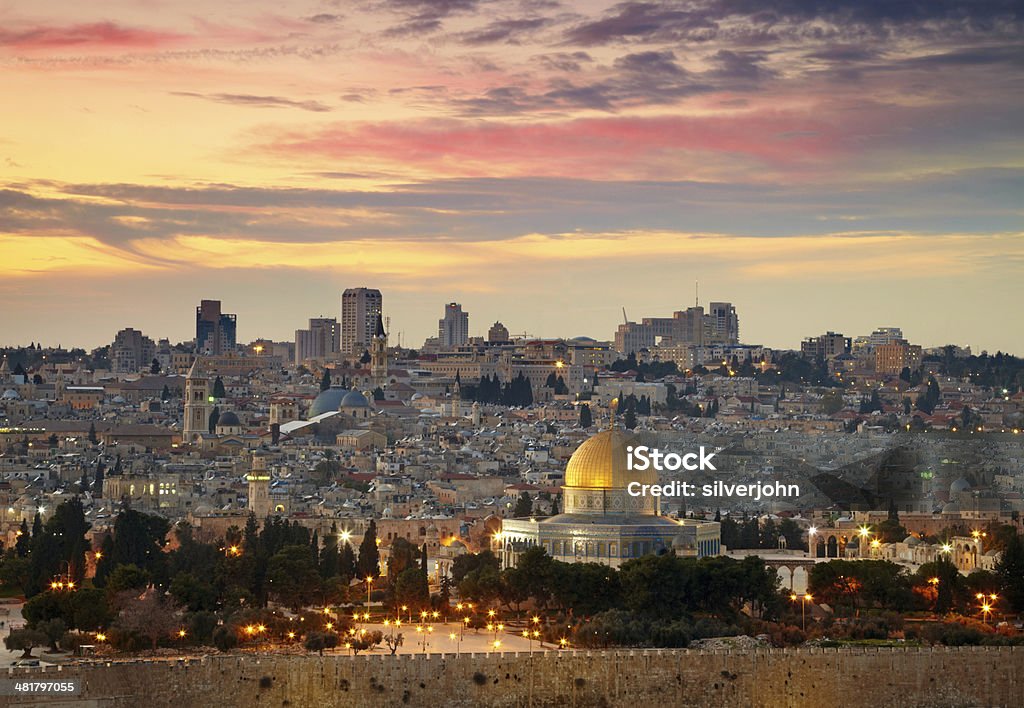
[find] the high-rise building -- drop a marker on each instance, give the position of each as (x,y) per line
(725,324)
(360,308)
(320,342)
(689,327)
(131,352)
(825,346)
(893,357)
(884,335)
(216,332)
(498,334)
(453,328)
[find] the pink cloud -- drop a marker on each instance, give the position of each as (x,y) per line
(96,34)
(596,147)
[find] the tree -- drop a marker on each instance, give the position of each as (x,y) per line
(61,541)
(393,641)
(14,570)
(154,368)
(347,563)
(218,388)
(165,394)
(364,640)
(24,640)
(139,540)
(369,555)
(53,629)
(629,419)
(192,593)
(329,554)
(1010,569)
(127,577)
(22,545)
(404,555)
(533,574)
(292,578)
(316,641)
(465,564)
(524,506)
(214,418)
(148,615)
(325,380)
(586,418)
(378,394)
(224,639)
(93,440)
(832,401)
(409,589)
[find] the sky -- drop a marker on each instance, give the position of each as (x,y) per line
(822,164)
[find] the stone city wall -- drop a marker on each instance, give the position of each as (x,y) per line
(911,677)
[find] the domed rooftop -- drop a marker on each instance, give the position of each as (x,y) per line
(327,401)
(912,541)
(11,395)
(229,418)
(354,399)
(600,463)
(960,485)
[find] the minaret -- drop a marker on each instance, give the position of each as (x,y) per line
(198,405)
(476,414)
(259,487)
(379,354)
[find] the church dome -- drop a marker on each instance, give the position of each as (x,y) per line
(354,399)
(600,463)
(229,419)
(11,395)
(327,401)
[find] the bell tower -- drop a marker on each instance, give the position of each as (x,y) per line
(379,354)
(198,406)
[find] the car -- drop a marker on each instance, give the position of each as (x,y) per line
(26,662)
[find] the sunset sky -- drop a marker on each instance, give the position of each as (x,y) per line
(822,164)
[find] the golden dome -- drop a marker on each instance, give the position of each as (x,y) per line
(600,463)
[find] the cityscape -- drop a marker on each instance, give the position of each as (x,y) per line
(339,495)
(511,354)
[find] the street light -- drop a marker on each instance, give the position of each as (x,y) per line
(986,601)
(804,599)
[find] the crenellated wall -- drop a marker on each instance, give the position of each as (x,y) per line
(910,678)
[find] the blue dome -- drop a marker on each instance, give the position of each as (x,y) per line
(327,401)
(354,399)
